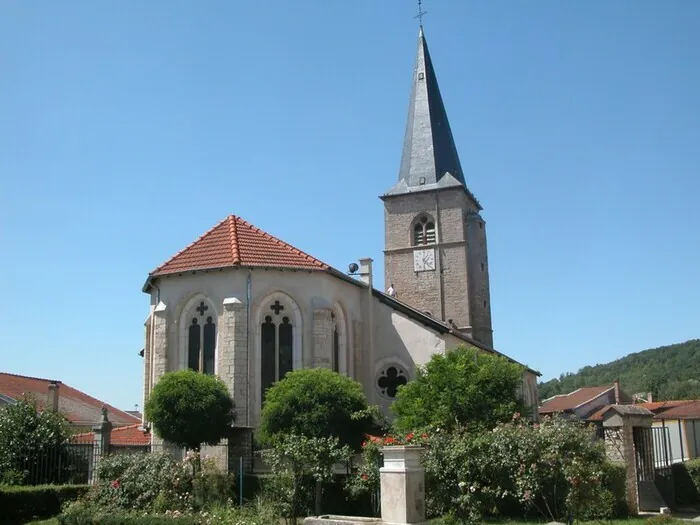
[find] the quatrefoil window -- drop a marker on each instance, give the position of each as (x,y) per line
(390,379)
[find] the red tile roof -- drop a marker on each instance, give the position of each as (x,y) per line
(674,409)
(235,242)
(78,407)
(689,409)
(570,401)
(129,435)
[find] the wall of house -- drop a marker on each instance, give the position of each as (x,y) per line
(586,409)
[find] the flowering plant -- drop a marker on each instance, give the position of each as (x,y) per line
(410,439)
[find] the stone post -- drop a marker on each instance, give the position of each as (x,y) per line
(102,431)
(402,481)
(160,342)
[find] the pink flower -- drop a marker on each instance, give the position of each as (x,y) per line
(116,484)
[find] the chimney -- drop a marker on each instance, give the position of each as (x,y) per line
(366,270)
(52,396)
(616,384)
(650,397)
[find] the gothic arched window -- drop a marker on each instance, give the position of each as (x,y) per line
(276,347)
(424,232)
(201,340)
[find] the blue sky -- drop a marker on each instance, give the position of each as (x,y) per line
(127,129)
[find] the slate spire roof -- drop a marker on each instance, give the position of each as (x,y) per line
(429,159)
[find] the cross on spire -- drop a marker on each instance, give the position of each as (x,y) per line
(420,14)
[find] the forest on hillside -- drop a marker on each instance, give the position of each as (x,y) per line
(668,372)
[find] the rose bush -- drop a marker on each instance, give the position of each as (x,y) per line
(554,469)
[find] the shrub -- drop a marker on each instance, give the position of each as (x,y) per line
(555,469)
(124,519)
(20,504)
(154,482)
(464,387)
(317,403)
(27,438)
(188,408)
(686,481)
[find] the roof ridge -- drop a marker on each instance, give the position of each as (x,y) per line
(233,233)
(32,377)
(210,230)
(284,244)
(127,427)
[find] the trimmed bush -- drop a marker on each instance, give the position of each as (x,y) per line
(124,519)
(44,501)
(686,482)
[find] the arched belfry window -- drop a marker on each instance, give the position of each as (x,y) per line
(201,338)
(276,345)
(424,232)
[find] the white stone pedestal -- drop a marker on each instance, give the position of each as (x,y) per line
(402,480)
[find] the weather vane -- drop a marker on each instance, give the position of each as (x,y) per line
(420,14)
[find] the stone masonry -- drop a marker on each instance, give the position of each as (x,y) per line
(160,342)
(323,338)
(458,289)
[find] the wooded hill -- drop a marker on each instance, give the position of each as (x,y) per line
(668,372)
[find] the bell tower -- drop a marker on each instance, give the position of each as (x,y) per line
(435,238)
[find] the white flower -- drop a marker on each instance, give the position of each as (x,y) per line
(462,484)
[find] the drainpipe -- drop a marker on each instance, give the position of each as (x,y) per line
(247,346)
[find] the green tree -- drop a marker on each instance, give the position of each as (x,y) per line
(315,402)
(27,437)
(187,409)
(463,387)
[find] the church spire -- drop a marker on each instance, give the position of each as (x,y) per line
(429,159)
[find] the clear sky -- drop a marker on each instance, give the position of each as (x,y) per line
(127,129)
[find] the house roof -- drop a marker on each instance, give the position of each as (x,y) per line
(573,400)
(79,408)
(130,435)
(689,409)
(236,242)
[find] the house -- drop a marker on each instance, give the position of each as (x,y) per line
(249,307)
(80,409)
(681,421)
(584,402)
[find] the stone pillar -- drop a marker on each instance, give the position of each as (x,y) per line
(323,338)
(402,481)
(160,342)
(102,431)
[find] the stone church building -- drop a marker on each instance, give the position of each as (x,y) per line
(249,307)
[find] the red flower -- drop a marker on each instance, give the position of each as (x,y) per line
(364,444)
(409,436)
(365,477)
(116,484)
(388,440)
(424,435)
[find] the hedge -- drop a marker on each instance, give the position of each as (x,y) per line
(43,501)
(123,519)
(686,482)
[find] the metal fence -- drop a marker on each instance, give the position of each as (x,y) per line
(70,464)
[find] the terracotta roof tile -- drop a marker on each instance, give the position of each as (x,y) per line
(570,401)
(78,407)
(130,435)
(236,242)
(689,409)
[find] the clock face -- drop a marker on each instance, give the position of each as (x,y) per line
(424,260)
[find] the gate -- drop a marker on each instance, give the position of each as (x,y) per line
(654,471)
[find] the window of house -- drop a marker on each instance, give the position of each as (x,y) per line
(201,340)
(276,346)
(424,232)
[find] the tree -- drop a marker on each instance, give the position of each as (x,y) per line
(187,409)
(315,402)
(464,387)
(27,438)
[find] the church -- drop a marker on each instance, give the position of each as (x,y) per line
(249,307)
